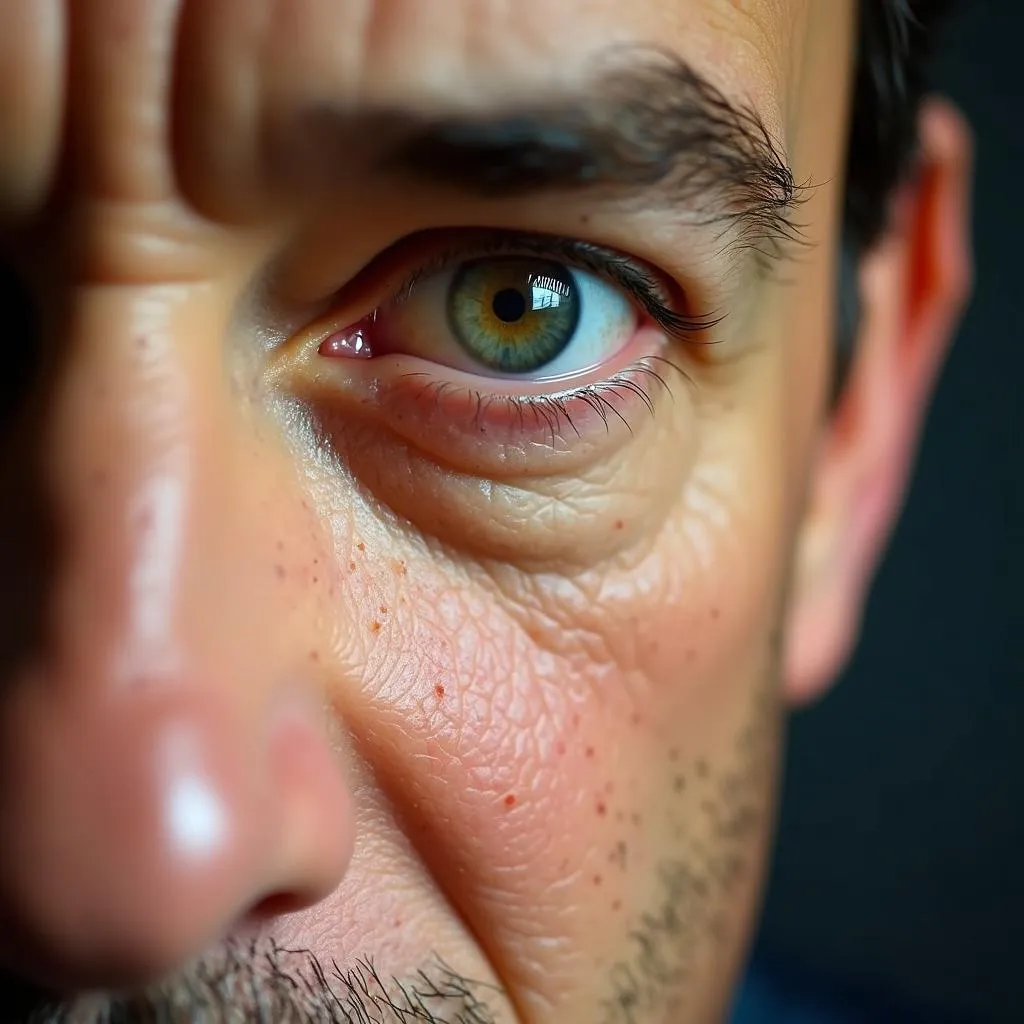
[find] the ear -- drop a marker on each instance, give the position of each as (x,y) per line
(913,288)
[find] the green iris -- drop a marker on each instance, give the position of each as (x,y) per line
(513,314)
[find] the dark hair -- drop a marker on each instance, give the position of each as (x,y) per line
(895,39)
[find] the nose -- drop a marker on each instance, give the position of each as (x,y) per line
(165,771)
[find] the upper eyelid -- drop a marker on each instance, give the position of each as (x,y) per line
(655,292)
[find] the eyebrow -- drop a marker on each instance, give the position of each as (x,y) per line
(653,129)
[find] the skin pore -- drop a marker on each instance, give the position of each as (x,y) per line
(366,682)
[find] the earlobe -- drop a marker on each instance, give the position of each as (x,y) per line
(913,286)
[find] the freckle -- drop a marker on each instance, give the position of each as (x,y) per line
(280,570)
(563,865)
(361,546)
(575,721)
(616,904)
(602,810)
(280,545)
(316,579)
(401,569)
(398,922)
(702,768)
(316,561)
(314,655)
(609,788)
(679,783)
(510,800)
(439,690)
(383,609)
(620,524)
(584,218)
(351,566)
(691,655)
(375,626)
(715,613)
(620,816)
(100,478)
(635,718)
(598,879)
(673,754)
(589,751)
(636,819)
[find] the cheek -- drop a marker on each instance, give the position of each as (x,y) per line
(527,729)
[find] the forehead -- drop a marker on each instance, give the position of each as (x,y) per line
(424,53)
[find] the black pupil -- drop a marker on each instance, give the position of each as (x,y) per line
(509,305)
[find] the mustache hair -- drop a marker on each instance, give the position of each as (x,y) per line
(265,983)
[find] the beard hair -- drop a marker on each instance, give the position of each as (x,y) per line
(263,982)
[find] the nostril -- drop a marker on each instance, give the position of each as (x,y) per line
(278,904)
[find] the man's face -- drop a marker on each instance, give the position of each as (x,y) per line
(404,519)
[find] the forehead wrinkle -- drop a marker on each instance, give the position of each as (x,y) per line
(421,57)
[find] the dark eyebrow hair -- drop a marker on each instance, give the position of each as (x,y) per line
(649,128)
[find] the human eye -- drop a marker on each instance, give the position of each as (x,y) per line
(504,340)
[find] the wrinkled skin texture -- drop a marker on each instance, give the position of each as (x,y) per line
(298,668)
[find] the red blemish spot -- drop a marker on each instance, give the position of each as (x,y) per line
(439,690)
(619,524)
(589,751)
(635,718)
(510,800)
(559,748)
(398,922)
(598,879)
(715,613)
(280,570)
(602,809)
(375,626)
(314,655)
(575,721)
(361,546)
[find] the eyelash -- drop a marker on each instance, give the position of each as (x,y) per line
(645,288)
(650,293)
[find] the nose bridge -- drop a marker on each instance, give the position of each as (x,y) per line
(142,797)
(123,476)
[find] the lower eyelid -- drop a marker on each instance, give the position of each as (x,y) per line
(494,427)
